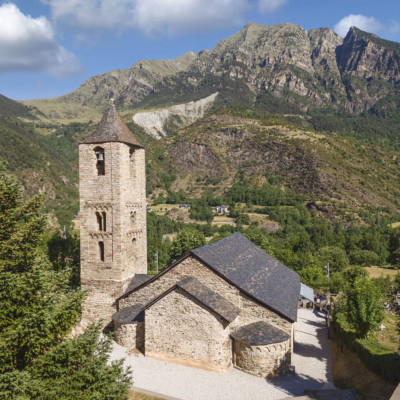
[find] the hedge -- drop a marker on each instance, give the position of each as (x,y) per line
(374,356)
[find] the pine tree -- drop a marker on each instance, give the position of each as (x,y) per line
(38,308)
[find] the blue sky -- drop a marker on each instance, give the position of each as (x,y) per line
(50,47)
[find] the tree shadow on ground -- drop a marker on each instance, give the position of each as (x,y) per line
(320,348)
(309,350)
(296,384)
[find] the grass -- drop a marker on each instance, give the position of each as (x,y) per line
(390,334)
(376,272)
(133,395)
(163,207)
(223,218)
(350,373)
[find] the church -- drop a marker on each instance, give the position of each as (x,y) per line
(221,305)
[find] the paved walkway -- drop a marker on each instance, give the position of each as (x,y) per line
(311,361)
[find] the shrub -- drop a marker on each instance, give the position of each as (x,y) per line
(374,356)
(364,258)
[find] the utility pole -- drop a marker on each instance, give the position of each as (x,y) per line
(328,295)
(327,272)
(157,261)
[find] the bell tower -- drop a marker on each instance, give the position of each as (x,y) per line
(112,191)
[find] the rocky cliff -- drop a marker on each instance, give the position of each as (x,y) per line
(306,70)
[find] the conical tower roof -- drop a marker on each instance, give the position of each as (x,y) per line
(111,129)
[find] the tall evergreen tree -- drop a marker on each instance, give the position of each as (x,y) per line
(38,308)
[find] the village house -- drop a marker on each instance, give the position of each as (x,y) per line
(224,304)
(222,209)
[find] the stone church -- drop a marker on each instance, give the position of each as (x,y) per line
(224,304)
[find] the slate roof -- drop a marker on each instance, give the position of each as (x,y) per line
(111,129)
(137,280)
(260,333)
(204,295)
(255,272)
(129,314)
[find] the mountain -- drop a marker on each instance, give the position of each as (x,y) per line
(267,67)
(334,101)
(44,164)
(11,108)
(339,176)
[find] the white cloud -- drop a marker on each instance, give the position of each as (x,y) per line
(176,16)
(28,44)
(160,16)
(369,24)
(394,27)
(270,5)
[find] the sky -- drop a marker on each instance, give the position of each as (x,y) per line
(50,47)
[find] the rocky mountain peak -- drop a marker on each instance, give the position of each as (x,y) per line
(368,56)
(304,70)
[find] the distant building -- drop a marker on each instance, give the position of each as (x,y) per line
(222,209)
(185,206)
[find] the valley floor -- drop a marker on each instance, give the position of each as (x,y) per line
(311,360)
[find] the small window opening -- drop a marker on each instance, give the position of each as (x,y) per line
(104,221)
(101,221)
(132,160)
(101,251)
(100,161)
(133,219)
(134,248)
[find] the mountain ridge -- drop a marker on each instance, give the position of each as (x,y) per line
(314,69)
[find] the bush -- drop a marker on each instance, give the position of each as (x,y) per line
(185,241)
(336,257)
(374,356)
(364,258)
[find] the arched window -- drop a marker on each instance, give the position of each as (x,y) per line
(104,221)
(101,251)
(132,162)
(134,248)
(101,221)
(133,219)
(100,161)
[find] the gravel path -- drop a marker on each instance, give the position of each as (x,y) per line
(311,361)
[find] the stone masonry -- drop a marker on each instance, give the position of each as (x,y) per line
(190,266)
(180,329)
(112,215)
(262,360)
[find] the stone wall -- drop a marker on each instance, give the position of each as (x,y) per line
(119,197)
(190,266)
(100,302)
(262,360)
(130,335)
(252,312)
(180,329)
